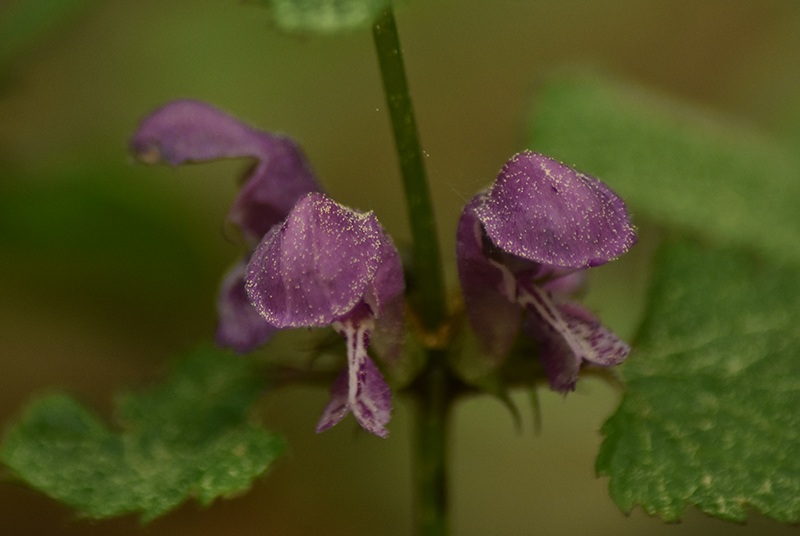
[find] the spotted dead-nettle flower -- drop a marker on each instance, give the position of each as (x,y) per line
(192,131)
(521,246)
(327,265)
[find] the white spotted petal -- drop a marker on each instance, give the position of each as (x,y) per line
(328,265)
(522,245)
(546,212)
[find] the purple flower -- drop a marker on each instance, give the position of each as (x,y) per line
(192,131)
(327,265)
(521,246)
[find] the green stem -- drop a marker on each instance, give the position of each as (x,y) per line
(430,471)
(432,387)
(426,268)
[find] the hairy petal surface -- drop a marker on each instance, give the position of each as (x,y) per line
(329,265)
(546,212)
(524,243)
(315,267)
(193,131)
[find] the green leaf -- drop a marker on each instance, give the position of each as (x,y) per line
(189,436)
(711,414)
(675,164)
(325,16)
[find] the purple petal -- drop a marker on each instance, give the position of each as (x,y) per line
(373,402)
(543,211)
(390,331)
(274,187)
(337,407)
(607,348)
(568,335)
(315,267)
(559,361)
(489,290)
(361,388)
(388,282)
(240,326)
(565,285)
(188,130)
(387,302)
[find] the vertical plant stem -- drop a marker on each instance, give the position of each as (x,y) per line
(430,471)
(432,386)
(427,268)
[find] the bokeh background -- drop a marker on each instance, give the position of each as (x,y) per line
(108,268)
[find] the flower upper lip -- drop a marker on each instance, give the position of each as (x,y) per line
(192,131)
(522,244)
(322,261)
(546,212)
(327,265)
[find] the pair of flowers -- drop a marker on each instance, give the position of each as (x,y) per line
(521,246)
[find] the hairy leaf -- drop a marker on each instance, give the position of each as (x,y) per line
(711,415)
(186,437)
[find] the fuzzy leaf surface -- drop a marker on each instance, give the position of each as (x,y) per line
(711,413)
(186,437)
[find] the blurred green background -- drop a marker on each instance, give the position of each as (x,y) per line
(108,268)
